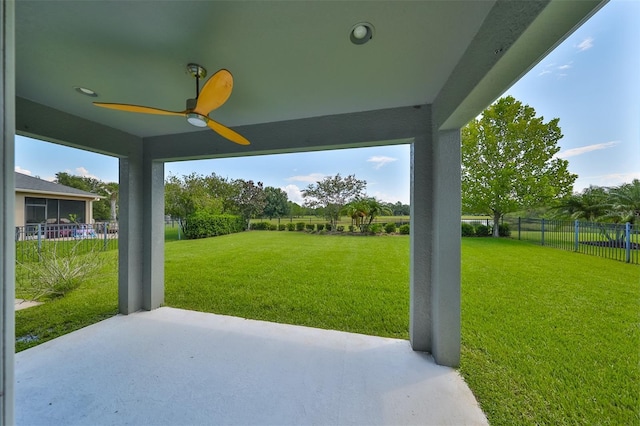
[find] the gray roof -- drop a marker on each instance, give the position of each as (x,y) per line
(28,183)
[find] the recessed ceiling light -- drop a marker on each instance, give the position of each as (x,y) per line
(85,91)
(361,33)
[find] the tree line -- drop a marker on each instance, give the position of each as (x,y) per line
(329,198)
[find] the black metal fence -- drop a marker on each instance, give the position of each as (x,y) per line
(619,241)
(31,240)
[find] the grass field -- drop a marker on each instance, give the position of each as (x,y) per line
(550,337)
(547,336)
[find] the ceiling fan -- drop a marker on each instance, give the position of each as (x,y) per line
(215,92)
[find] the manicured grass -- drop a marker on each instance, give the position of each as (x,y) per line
(350,283)
(548,337)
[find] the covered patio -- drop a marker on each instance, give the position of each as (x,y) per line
(304,80)
(170,367)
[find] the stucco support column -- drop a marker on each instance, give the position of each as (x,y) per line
(7,220)
(445,271)
(153,234)
(141,233)
(435,246)
(421,245)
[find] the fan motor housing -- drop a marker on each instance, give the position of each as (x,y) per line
(191,104)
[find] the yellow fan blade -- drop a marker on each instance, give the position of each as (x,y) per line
(215,92)
(226,132)
(138,108)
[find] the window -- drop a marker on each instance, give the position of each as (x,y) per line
(51,210)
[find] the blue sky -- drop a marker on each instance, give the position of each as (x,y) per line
(590,82)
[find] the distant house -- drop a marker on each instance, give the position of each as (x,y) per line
(41,201)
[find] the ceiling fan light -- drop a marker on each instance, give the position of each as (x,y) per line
(197,119)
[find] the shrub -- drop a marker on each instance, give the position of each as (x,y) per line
(483,231)
(300,226)
(504,230)
(404,229)
(56,273)
(282,227)
(310,227)
(375,228)
(260,226)
(328,226)
(340,228)
(351,228)
(273,227)
(320,227)
(467,230)
(390,228)
(291,226)
(203,224)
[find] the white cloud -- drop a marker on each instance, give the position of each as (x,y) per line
(613,179)
(584,149)
(294,193)
(585,44)
(380,161)
(310,178)
(564,67)
(81,171)
(389,198)
(545,72)
(23,171)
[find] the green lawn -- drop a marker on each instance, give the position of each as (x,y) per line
(550,337)
(547,336)
(348,283)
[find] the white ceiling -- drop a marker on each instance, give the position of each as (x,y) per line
(289,59)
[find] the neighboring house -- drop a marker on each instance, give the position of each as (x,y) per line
(41,201)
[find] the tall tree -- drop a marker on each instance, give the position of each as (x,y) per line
(222,189)
(295,209)
(333,193)
(509,162)
(103,209)
(184,196)
(249,199)
(277,202)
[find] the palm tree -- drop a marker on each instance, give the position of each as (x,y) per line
(355,210)
(624,203)
(375,208)
(112,189)
(589,205)
(364,210)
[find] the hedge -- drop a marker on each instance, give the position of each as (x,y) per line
(203,224)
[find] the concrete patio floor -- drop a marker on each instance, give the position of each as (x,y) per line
(177,367)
